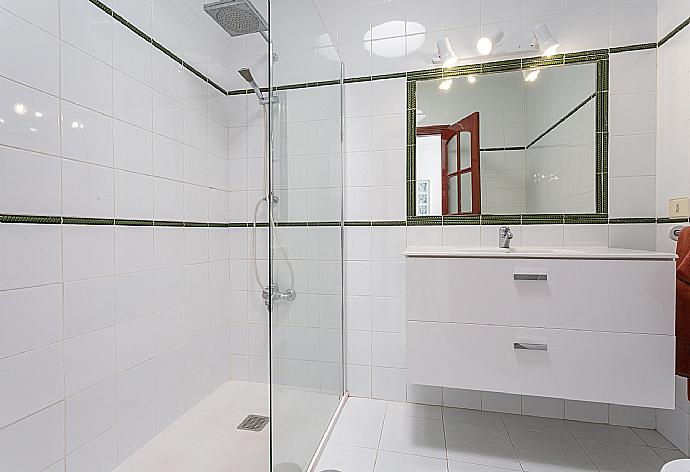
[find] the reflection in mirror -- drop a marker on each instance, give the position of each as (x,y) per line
(504,145)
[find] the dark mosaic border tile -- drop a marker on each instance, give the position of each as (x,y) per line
(674,32)
(543,219)
(501,219)
(622,221)
(29,219)
(457,220)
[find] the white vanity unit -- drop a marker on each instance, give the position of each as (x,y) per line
(593,324)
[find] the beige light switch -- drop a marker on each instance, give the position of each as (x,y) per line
(678,208)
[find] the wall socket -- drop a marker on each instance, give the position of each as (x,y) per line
(678,207)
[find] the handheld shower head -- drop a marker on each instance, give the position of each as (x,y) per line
(247,75)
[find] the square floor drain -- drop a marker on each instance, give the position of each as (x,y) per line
(253,423)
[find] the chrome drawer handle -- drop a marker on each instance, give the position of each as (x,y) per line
(530,276)
(530,346)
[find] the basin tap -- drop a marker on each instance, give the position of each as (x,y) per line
(504,237)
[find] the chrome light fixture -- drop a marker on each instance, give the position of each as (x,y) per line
(486,44)
(446,56)
(547,44)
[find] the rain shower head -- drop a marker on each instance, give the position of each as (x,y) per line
(237,17)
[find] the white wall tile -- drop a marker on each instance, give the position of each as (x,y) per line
(87,190)
(586,411)
(135,431)
(29,183)
(86,27)
(135,389)
(133,248)
(87,135)
(132,101)
(90,413)
(131,54)
(543,406)
(459,398)
(88,251)
(637,417)
(44,13)
(33,380)
(89,359)
(99,454)
(501,402)
(388,384)
(134,148)
(31,255)
(30,119)
(89,305)
(135,342)
(30,318)
(85,80)
(34,60)
(35,442)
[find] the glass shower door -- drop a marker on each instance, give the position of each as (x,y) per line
(305,253)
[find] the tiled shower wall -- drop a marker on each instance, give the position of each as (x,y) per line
(108,332)
(375,171)
(673,162)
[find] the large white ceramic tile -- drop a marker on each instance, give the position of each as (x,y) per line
(134,295)
(87,27)
(387,461)
(44,13)
(89,305)
(167,75)
(347,458)
(30,318)
(454,466)
(604,432)
(85,80)
(131,54)
(35,442)
(133,249)
(29,183)
(87,190)
(88,251)
(135,389)
(609,457)
(632,113)
(653,438)
(543,452)
(132,101)
(543,406)
(387,279)
(633,72)
(29,118)
(168,116)
(135,431)
(133,195)
(425,394)
(419,436)
(483,445)
(414,410)
(630,196)
(134,148)
(673,425)
(473,417)
(535,424)
(460,398)
(668,455)
(33,380)
(633,22)
(135,342)
(34,60)
(358,430)
(87,136)
(90,413)
(98,455)
(638,236)
(359,380)
(388,383)
(30,255)
(89,359)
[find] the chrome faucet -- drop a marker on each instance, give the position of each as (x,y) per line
(504,237)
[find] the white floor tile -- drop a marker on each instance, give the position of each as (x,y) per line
(539,452)
(454,466)
(347,458)
(483,445)
(612,457)
(482,418)
(604,432)
(418,436)
(535,424)
(395,462)
(668,455)
(414,410)
(357,430)
(653,438)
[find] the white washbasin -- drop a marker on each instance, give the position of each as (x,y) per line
(535,252)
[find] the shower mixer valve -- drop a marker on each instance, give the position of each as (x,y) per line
(277,295)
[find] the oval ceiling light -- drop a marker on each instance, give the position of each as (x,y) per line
(446,55)
(530,75)
(397,38)
(548,45)
(486,44)
(445,85)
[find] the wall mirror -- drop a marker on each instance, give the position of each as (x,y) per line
(518,141)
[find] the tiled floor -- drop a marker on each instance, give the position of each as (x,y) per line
(379,436)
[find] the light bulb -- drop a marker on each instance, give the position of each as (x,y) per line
(445,85)
(471,79)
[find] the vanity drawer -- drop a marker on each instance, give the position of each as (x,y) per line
(621,368)
(633,296)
